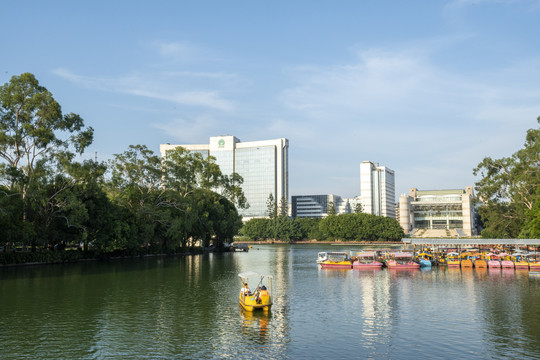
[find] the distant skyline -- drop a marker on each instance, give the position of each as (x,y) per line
(425,88)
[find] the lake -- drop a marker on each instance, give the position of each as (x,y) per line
(187,308)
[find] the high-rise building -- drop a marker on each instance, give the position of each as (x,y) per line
(262,164)
(377,189)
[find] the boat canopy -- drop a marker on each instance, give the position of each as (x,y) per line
(365,254)
(249,274)
(401,255)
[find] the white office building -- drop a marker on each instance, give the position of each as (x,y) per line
(377,189)
(262,164)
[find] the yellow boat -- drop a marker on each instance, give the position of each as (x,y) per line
(261,297)
(452,259)
(466,260)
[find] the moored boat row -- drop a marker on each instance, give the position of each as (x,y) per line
(377,259)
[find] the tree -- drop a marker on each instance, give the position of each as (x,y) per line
(271,207)
(358,208)
(509,190)
(36,142)
(185,171)
(283,207)
(331,209)
(34,131)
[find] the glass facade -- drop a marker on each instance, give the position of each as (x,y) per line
(262,164)
(257,166)
(225,160)
(437,215)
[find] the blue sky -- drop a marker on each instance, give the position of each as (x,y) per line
(426,88)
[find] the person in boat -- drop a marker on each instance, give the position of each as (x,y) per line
(245,289)
(264,291)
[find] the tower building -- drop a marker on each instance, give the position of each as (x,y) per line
(262,164)
(377,189)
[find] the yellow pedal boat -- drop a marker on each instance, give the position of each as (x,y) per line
(261,297)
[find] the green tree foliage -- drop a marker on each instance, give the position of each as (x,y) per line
(48,201)
(283,207)
(33,131)
(331,209)
(347,227)
(510,191)
(271,206)
(358,208)
(258,229)
(37,142)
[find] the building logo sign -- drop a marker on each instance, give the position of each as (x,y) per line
(221,143)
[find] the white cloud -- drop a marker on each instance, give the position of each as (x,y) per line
(400,108)
(189,131)
(150,87)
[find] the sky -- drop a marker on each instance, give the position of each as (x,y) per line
(426,88)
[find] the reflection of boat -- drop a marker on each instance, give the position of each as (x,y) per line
(366,260)
(261,297)
(401,260)
(337,260)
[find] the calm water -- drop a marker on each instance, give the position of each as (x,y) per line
(179,308)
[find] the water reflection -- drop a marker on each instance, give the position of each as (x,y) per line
(255,325)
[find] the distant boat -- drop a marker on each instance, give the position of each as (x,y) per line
(337,260)
(401,260)
(366,261)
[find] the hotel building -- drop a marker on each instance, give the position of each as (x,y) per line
(377,189)
(262,164)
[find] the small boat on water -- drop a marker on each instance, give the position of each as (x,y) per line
(261,297)
(401,260)
(322,256)
(337,260)
(425,263)
(466,260)
(480,264)
(425,259)
(366,261)
(452,259)
(534,263)
(493,261)
(520,262)
(506,261)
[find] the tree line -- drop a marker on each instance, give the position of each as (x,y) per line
(509,192)
(344,227)
(136,202)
